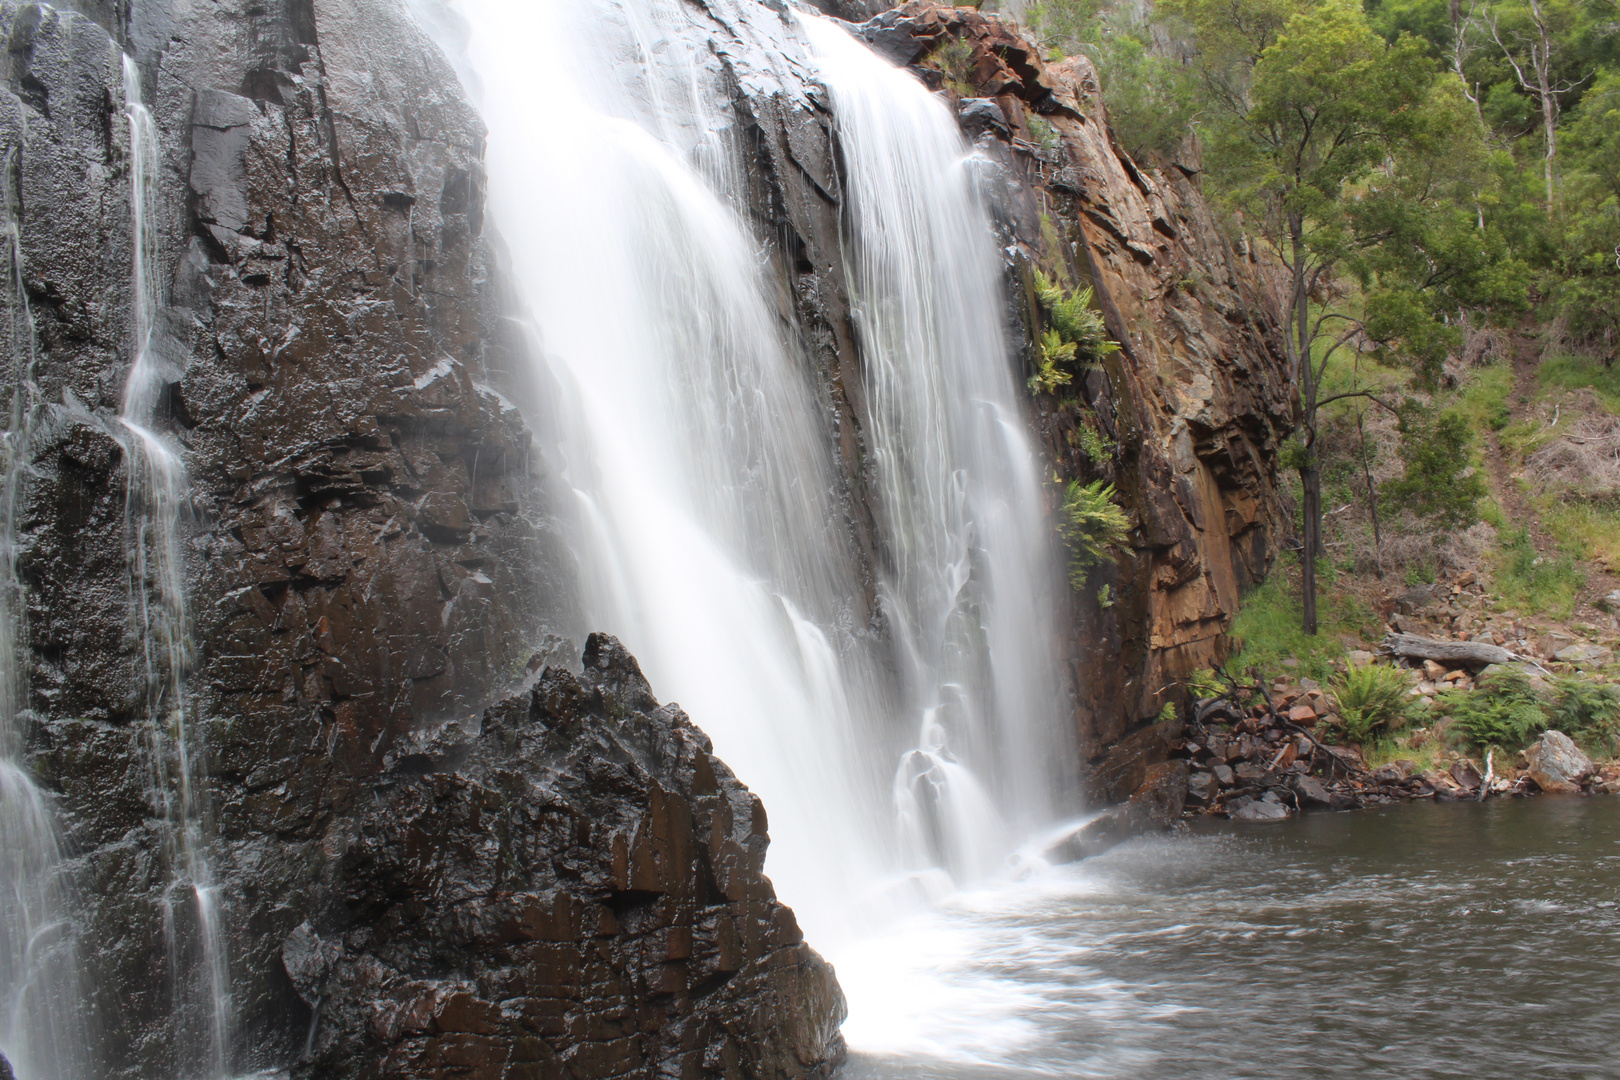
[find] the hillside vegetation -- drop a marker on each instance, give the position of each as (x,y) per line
(1437,183)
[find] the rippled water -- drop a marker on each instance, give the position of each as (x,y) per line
(1449,941)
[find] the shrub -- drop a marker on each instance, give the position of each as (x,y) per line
(1503,711)
(1437,484)
(1372,697)
(1587,710)
(1091,523)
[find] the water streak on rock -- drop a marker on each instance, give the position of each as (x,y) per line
(161,622)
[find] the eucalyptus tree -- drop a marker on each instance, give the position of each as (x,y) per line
(1310,110)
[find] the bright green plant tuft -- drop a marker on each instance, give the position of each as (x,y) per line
(1204,684)
(1091,523)
(1503,711)
(1371,698)
(1098,450)
(1076,338)
(1055,352)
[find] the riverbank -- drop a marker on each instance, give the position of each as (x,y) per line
(1426,941)
(1258,752)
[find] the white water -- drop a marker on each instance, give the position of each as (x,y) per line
(199,973)
(899,757)
(42,1019)
(975,573)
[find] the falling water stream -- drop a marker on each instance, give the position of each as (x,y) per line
(42,1014)
(197,964)
(710,528)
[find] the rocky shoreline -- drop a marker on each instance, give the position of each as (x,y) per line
(1272,759)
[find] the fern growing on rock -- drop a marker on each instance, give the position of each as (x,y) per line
(1076,338)
(1091,522)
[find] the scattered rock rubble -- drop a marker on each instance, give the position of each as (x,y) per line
(1268,761)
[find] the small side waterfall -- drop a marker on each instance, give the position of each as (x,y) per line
(42,1021)
(973,570)
(161,622)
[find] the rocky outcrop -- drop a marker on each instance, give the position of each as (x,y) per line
(575,888)
(369,556)
(1196,403)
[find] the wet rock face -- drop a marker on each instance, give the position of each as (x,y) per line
(365,549)
(1195,404)
(577,889)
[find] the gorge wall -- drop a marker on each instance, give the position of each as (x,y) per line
(438,849)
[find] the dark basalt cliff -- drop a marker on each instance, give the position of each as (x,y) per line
(576,889)
(368,557)
(572,885)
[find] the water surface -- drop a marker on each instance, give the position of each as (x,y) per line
(1449,941)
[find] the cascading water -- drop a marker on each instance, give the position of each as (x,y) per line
(973,568)
(710,535)
(198,966)
(42,1018)
(708,529)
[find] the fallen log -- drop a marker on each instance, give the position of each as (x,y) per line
(1452,652)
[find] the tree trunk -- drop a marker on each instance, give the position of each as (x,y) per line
(1310,478)
(1541,60)
(1311,481)
(1372,493)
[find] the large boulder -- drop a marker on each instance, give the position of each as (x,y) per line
(1557,765)
(575,887)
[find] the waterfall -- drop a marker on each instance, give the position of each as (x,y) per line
(42,1021)
(707,528)
(973,570)
(161,622)
(893,754)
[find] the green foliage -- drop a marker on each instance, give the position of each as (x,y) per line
(1152,96)
(954,57)
(1438,484)
(1052,370)
(1098,450)
(1267,630)
(1485,398)
(1075,320)
(1091,523)
(1502,711)
(1586,288)
(1372,698)
(1043,133)
(1204,684)
(1535,583)
(1587,710)
(1565,372)
(1077,336)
